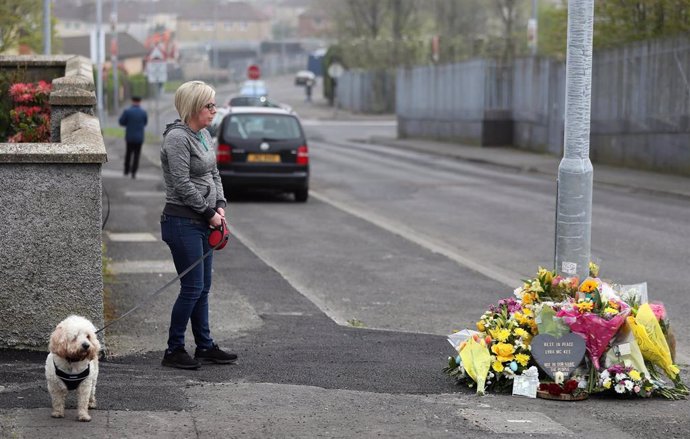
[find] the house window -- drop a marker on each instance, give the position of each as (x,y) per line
(243,26)
(209,25)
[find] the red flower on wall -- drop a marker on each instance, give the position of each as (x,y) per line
(30,117)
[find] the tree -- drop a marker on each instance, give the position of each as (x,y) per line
(21,22)
(462,27)
(621,21)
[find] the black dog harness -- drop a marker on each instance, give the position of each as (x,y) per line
(72,381)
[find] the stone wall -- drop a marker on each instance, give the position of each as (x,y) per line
(50,212)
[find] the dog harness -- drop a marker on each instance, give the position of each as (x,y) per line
(72,381)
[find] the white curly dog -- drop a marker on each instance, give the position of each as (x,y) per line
(72,364)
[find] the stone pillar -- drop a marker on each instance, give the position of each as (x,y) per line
(72,93)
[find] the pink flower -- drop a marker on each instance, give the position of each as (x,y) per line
(637,389)
(659,310)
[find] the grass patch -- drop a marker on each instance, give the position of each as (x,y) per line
(119,133)
(114,132)
(356,323)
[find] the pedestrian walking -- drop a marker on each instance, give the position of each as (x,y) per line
(134,119)
(194,202)
(307,88)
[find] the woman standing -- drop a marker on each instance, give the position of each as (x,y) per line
(194,203)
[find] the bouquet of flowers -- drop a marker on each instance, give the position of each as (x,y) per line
(595,319)
(622,380)
(505,330)
(554,305)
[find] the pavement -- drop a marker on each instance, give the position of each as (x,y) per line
(299,374)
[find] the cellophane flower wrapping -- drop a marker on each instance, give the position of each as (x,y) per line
(476,361)
(651,340)
(595,329)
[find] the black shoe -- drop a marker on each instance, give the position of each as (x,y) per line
(214,355)
(180,359)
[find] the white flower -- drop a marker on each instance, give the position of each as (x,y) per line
(604,375)
(582,384)
(519,292)
(559,377)
(620,388)
(628,384)
(621,376)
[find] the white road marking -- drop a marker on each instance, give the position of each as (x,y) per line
(131,237)
(138,267)
(499,274)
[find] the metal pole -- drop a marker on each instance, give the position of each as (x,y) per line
(575,172)
(114,57)
(535,30)
(99,61)
(158,86)
(47,50)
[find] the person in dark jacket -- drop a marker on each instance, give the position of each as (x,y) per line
(134,119)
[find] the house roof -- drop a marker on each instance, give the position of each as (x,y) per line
(129,47)
(135,11)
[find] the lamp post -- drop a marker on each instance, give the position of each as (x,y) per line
(47,50)
(99,61)
(575,172)
(114,49)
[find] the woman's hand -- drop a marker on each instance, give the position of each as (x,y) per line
(221,212)
(216,221)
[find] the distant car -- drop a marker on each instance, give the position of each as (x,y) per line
(254,88)
(304,76)
(263,148)
(254,101)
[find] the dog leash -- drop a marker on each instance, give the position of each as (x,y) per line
(161,289)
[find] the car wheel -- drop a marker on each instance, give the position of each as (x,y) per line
(301,195)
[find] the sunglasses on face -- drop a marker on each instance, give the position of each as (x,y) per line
(210,106)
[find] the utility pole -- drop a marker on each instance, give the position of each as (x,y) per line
(99,61)
(533,28)
(47,50)
(575,172)
(114,53)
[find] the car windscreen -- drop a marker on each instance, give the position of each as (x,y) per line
(262,126)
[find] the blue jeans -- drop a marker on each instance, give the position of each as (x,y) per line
(188,241)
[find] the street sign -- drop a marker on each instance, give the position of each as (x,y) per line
(335,70)
(157,71)
(253,72)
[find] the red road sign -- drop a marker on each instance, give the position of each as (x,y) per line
(253,72)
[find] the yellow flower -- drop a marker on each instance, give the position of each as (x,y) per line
(503,351)
(612,311)
(523,359)
(613,304)
(480,326)
(635,375)
(528,298)
(585,306)
(607,383)
(519,332)
(589,285)
(497,366)
(545,274)
(593,269)
(528,312)
(500,334)
(536,287)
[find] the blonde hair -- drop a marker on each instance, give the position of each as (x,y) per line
(191,97)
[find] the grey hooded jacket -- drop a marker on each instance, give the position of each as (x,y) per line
(193,188)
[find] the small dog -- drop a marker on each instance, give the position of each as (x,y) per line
(72,364)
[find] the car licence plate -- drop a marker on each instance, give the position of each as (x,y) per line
(263,158)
